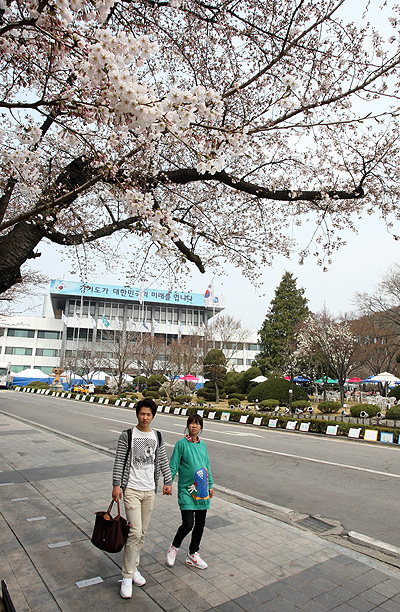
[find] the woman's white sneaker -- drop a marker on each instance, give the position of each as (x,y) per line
(171,555)
(196,561)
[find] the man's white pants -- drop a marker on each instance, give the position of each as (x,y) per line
(138,507)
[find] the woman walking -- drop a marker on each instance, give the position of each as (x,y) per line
(190,460)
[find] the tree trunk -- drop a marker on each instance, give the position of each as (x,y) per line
(216,392)
(15,249)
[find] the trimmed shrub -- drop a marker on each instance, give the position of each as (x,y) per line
(276,388)
(393,413)
(231,389)
(301,404)
(182,399)
(269,404)
(395,392)
(38,384)
(329,407)
(234,401)
(153,394)
(239,396)
(244,381)
(368,408)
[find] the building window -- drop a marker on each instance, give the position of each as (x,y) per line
(249,362)
(47,352)
(18,368)
(163,314)
(84,334)
(239,361)
(21,333)
(48,335)
(17,350)
(157,314)
(183,317)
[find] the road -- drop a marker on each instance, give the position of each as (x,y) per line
(353,482)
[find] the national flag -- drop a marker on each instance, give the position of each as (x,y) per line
(209,292)
(145,325)
(169,325)
(93,322)
(77,319)
(180,325)
(141,294)
(105,322)
(64,318)
(118,322)
(132,323)
(155,325)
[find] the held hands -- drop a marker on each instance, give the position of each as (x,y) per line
(167,490)
(116,493)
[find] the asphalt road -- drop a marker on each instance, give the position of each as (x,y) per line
(353,482)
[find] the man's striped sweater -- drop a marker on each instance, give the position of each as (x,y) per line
(161,463)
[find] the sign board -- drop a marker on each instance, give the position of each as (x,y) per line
(211,415)
(386,436)
(177,411)
(272,422)
(257,420)
(291,425)
(371,435)
(225,416)
(243,418)
(332,430)
(304,426)
(354,432)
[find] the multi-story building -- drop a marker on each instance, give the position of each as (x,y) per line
(77,314)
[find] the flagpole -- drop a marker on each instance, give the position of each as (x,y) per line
(213,299)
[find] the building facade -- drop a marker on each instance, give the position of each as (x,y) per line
(77,314)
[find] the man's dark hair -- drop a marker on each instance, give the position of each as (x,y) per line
(147,402)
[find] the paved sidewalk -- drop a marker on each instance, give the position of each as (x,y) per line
(50,488)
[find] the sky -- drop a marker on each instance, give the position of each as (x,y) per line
(356,267)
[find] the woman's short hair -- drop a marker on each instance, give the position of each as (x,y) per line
(195,418)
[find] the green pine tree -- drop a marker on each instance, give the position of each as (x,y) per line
(287,310)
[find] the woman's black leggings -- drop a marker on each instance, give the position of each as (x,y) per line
(190,518)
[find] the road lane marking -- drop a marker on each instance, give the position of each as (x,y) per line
(255,449)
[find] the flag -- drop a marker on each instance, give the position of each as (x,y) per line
(209,292)
(141,295)
(132,323)
(105,322)
(93,322)
(180,325)
(64,318)
(155,325)
(77,319)
(118,322)
(145,325)
(169,325)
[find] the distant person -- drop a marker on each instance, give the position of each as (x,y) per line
(190,460)
(91,388)
(135,476)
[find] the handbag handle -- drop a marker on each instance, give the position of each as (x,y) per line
(108,516)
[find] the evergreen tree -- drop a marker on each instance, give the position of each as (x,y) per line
(214,364)
(287,310)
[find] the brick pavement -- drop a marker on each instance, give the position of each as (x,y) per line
(50,488)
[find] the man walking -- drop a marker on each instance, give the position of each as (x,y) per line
(140,458)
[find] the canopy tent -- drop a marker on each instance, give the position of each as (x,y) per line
(23,378)
(354,380)
(383,377)
(259,379)
(386,378)
(98,378)
(298,379)
(189,377)
(328,381)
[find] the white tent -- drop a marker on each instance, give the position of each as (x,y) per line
(259,379)
(384,377)
(32,373)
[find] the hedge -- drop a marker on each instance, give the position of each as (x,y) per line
(329,407)
(368,408)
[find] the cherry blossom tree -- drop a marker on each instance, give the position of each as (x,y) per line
(193,132)
(332,342)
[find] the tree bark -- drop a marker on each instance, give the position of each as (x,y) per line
(15,248)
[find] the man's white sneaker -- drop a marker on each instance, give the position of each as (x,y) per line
(171,555)
(138,579)
(196,561)
(126,588)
